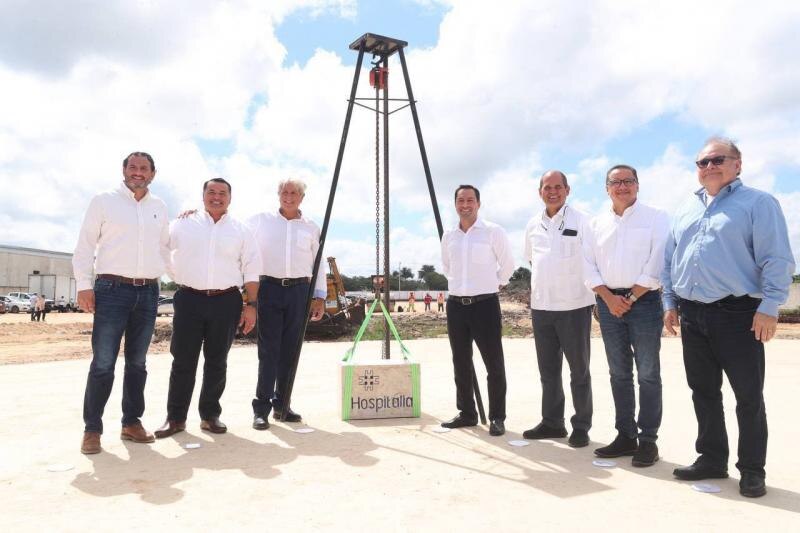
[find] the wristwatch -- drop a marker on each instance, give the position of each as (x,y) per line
(632,297)
(252,304)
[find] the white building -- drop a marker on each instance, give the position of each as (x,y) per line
(40,271)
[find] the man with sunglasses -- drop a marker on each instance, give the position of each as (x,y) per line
(623,257)
(728,266)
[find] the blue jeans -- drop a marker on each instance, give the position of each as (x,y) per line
(636,337)
(119,309)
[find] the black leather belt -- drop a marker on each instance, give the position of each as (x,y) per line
(284,282)
(209,292)
(469,300)
(620,292)
(136,282)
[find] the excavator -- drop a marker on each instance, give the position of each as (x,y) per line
(342,313)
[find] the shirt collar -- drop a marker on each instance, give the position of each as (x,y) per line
(478,224)
(630,210)
(300,218)
(560,214)
(125,191)
(727,189)
(207,217)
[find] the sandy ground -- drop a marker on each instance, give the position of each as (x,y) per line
(386,475)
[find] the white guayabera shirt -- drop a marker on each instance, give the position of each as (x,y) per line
(123,237)
(477,261)
(554,248)
(212,256)
(288,247)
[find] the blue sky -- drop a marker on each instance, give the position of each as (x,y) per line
(256,91)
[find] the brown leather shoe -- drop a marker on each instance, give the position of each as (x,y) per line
(169,428)
(91,443)
(214,425)
(136,433)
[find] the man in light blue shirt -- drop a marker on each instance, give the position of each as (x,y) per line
(728,266)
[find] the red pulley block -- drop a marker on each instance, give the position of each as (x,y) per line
(379,77)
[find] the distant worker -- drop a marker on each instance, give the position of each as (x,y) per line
(477,261)
(62,305)
(428,299)
(41,308)
(411,300)
(32,301)
(124,239)
(213,255)
(440,302)
(288,243)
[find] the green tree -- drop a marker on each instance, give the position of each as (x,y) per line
(406,273)
(435,281)
(426,269)
(169,286)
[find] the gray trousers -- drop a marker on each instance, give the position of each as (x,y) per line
(564,332)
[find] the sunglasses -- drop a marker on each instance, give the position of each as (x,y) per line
(628,182)
(716,161)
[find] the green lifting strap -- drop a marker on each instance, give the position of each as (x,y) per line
(349,354)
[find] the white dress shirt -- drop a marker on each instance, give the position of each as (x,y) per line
(557,282)
(623,251)
(288,248)
(477,261)
(123,237)
(212,256)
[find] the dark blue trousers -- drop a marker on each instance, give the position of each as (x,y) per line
(281,314)
(120,309)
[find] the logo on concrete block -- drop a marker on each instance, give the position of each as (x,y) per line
(369,379)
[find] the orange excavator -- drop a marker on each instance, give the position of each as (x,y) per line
(342,313)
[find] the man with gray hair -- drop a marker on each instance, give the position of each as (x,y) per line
(288,243)
(728,266)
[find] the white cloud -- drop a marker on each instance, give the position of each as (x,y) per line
(499,91)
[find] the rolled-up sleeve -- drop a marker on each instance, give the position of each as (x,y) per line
(250,256)
(591,273)
(505,258)
(321,285)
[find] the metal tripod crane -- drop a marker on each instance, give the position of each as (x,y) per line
(381,49)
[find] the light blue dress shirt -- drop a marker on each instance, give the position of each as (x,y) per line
(736,245)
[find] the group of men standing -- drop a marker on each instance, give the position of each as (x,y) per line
(127,242)
(719,270)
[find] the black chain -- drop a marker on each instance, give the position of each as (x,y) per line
(377,187)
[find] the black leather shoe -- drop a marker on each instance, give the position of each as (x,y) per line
(260,422)
(544,432)
(646,455)
(460,421)
(169,428)
(621,446)
(752,485)
(496,428)
(214,425)
(291,416)
(579,438)
(696,472)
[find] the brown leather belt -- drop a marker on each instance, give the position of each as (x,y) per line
(208,292)
(136,282)
(284,282)
(469,300)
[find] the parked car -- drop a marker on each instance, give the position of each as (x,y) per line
(165,307)
(2,307)
(15,305)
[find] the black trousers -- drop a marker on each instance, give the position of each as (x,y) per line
(717,338)
(559,335)
(481,322)
(203,321)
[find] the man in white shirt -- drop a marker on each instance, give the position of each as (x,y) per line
(477,261)
(212,256)
(288,243)
(124,240)
(561,310)
(624,255)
